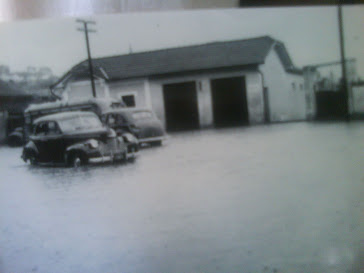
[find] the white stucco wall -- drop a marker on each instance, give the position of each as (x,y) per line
(82,89)
(254,92)
(253,88)
(286,102)
(310,78)
(204,102)
(157,100)
(130,87)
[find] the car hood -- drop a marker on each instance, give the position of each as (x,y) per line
(87,133)
(149,128)
(145,123)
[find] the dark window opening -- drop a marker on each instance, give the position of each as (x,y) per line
(129,100)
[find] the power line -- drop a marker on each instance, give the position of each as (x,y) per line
(87,30)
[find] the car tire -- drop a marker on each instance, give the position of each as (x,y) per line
(125,156)
(133,150)
(77,160)
(32,159)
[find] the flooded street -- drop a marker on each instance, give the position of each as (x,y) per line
(278,198)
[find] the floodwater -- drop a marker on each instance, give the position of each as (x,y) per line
(278,198)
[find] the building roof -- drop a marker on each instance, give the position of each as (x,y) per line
(183,59)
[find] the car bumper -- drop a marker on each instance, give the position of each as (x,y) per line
(101,159)
(110,158)
(152,139)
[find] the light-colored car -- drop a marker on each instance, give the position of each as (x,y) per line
(142,123)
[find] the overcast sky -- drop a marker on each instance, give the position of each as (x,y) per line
(310,34)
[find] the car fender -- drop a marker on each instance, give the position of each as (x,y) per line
(29,148)
(129,138)
(78,147)
(16,133)
(16,137)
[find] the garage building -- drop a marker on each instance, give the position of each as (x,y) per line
(218,84)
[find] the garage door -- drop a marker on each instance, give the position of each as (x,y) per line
(230,106)
(181,110)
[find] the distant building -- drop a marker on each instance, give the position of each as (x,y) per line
(13,101)
(358,99)
(30,77)
(324,89)
(246,81)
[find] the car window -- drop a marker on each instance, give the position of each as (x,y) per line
(53,128)
(47,128)
(80,122)
(142,115)
(103,118)
(41,129)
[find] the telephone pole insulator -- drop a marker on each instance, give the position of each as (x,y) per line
(87,30)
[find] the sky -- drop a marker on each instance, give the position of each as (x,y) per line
(309,33)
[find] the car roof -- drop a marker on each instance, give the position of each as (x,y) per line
(103,103)
(64,115)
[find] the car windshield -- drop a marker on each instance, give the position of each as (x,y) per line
(80,122)
(142,115)
(117,119)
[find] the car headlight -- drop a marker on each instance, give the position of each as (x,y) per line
(130,138)
(134,128)
(92,143)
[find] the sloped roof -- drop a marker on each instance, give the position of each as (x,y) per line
(182,59)
(285,58)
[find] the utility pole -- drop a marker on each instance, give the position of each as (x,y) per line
(343,64)
(86,30)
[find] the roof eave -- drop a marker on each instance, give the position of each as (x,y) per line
(191,71)
(295,71)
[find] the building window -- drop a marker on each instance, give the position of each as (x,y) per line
(129,100)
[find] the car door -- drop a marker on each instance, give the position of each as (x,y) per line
(49,142)
(39,140)
(54,142)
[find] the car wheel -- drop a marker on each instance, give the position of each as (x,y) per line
(132,153)
(77,160)
(32,159)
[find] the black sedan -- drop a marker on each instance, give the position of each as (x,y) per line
(73,138)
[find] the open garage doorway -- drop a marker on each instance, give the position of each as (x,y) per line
(230,107)
(181,110)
